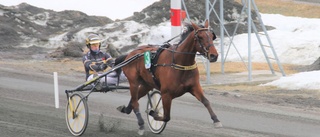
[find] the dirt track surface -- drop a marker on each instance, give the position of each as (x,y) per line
(27,107)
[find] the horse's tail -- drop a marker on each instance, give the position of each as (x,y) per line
(120,59)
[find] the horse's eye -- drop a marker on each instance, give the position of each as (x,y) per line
(214,36)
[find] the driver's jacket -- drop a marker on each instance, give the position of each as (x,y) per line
(92,61)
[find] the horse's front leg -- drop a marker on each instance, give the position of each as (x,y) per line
(198,93)
(166,102)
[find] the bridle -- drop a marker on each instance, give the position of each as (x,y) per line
(196,38)
(206,50)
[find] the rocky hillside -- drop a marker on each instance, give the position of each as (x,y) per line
(25,24)
(159,12)
(29,27)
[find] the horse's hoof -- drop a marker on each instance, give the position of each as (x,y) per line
(150,112)
(121,108)
(217,125)
(141,132)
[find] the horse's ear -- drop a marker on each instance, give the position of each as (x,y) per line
(206,23)
(195,27)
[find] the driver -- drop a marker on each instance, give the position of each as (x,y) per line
(96,62)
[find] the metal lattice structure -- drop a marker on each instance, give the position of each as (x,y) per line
(248,5)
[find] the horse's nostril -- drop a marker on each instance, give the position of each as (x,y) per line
(213,58)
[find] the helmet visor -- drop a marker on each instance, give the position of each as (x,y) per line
(94,41)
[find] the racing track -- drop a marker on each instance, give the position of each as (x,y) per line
(27,109)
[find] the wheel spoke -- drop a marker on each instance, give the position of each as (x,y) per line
(73,125)
(160,110)
(70,115)
(157,124)
(76,127)
(73,101)
(81,115)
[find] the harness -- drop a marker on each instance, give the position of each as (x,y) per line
(155,56)
(154,60)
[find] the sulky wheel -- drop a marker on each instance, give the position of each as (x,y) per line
(155,104)
(77,114)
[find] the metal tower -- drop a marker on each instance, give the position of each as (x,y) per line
(248,5)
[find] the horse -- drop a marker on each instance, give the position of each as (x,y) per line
(174,72)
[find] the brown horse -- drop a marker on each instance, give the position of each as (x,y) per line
(174,73)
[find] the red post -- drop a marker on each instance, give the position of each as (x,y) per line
(176,17)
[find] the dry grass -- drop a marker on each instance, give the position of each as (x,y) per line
(236,67)
(63,67)
(288,8)
(244,88)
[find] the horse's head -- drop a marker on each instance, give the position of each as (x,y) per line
(204,41)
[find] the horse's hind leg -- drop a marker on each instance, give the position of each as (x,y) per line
(200,96)
(140,121)
(133,104)
(137,91)
(125,109)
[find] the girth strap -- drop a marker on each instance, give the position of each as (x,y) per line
(181,67)
(154,60)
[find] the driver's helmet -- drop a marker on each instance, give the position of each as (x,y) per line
(92,39)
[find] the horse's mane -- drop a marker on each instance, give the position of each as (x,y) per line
(187,29)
